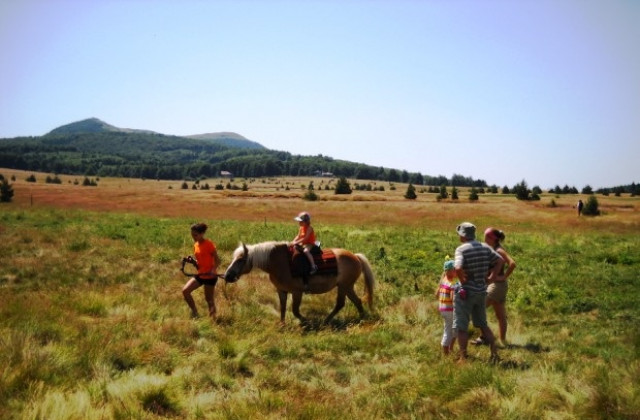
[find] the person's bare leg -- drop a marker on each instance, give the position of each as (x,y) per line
(189,287)
(209,297)
(501,314)
(491,340)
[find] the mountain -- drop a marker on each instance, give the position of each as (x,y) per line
(92,147)
(228,139)
(93,125)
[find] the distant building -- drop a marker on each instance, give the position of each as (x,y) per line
(226,174)
(323,174)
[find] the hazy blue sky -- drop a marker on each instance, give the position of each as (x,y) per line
(547,91)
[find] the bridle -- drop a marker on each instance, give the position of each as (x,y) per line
(235,274)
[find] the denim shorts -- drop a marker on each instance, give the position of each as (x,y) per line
(473,308)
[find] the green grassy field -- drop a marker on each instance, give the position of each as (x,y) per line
(93,325)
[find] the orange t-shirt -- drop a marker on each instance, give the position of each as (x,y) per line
(302,232)
(204,252)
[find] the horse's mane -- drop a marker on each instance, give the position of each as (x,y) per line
(260,253)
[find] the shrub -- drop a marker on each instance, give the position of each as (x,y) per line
(89,182)
(53,180)
(342,186)
(411,193)
(6,191)
(521,191)
(443,195)
(591,207)
(310,196)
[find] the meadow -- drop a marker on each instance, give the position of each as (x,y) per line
(93,325)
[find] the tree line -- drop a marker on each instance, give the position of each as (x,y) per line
(158,156)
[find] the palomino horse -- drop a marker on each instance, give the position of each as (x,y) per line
(274,258)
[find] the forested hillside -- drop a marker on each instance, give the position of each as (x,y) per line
(94,148)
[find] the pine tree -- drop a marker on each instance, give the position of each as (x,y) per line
(310,195)
(342,186)
(6,191)
(473,195)
(522,191)
(443,195)
(411,193)
(591,207)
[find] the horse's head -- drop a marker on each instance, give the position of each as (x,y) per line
(240,264)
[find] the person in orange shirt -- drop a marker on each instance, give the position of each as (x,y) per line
(207,259)
(305,239)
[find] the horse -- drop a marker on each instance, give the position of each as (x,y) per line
(274,259)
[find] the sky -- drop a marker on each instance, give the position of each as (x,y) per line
(545,91)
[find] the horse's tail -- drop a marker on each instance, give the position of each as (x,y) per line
(369,279)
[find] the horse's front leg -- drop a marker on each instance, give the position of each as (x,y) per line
(339,304)
(283,305)
(295,307)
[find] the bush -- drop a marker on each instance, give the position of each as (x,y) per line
(521,191)
(6,191)
(342,186)
(591,207)
(310,195)
(53,180)
(411,193)
(443,195)
(89,182)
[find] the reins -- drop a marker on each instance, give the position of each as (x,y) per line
(195,264)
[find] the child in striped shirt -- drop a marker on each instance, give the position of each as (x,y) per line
(444,293)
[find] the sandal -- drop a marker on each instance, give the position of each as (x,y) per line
(479,341)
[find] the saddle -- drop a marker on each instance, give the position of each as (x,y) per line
(324,259)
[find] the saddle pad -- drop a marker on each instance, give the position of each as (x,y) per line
(325,261)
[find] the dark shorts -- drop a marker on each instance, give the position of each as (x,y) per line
(207,282)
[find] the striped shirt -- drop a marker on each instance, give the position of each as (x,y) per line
(476,258)
(445,294)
